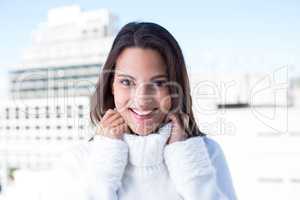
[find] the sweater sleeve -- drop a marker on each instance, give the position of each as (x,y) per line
(192,170)
(106,164)
(92,171)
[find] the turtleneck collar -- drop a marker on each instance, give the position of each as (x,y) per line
(148,150)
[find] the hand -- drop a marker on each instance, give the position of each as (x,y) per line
(178,132)
(112,125)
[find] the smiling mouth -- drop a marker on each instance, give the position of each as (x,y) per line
(142,115)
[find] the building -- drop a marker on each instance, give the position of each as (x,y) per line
(66,54)
(48,105)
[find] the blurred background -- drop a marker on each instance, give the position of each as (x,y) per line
(243,62)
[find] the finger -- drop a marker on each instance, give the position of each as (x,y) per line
(117,122)
(173,118)
(119,130)
(125,128)
(112,118)
(107,114)
(167,119)
(99,130)
(178,120)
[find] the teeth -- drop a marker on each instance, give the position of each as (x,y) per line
(142,112)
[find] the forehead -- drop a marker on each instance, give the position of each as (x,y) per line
(139,62)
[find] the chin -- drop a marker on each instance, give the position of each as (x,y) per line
(143,130)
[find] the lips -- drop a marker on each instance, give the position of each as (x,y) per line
(141,112)
(142,115)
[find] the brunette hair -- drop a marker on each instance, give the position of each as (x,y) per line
(147,35)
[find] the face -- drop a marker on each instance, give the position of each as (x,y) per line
(140,89)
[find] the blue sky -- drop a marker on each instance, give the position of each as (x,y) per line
(225,35)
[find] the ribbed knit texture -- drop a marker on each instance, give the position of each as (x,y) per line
(141,168)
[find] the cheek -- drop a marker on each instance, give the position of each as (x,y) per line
(121,98)
(165,103)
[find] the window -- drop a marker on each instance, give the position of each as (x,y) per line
(7,113)
(80,111)
(69,111)
(17,112)
(36,112)
(58,112)
(105,31)
(26,113)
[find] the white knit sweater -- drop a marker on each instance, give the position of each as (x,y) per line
(142,168)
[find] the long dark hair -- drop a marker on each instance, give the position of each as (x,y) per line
(147,35)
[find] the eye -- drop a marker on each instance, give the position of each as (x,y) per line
(159,83)
(125,82)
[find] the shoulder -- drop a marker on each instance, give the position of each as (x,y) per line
(219,161)
(213,147)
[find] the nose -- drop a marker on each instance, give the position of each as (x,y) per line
(144,96)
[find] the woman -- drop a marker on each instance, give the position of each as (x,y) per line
(148,145)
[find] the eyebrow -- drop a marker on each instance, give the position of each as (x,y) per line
(154,77)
